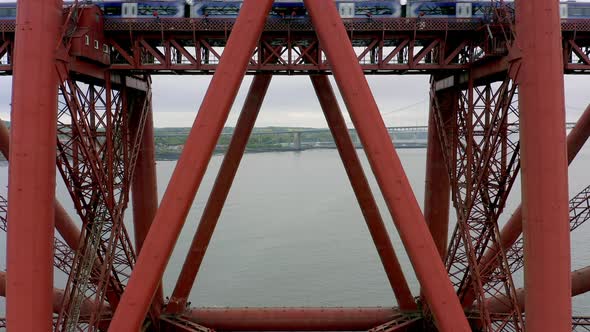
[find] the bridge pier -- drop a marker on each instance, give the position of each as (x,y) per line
(544,167)
(145,185)
(297,141)
(29,282)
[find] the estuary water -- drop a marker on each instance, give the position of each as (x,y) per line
(292,234)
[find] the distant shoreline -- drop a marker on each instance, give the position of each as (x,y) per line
(172,156)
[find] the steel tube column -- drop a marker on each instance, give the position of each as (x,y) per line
(437,192)
(513,228)
(191,167)
(221,187)
(291,319)
(145,191)
(145,186)
(63,222)
(362,190)
(31,183)
(544,167)
(387,167)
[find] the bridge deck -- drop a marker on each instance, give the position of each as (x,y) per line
(290,47)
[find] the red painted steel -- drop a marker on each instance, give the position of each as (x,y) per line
(145,187)
(437,191)
(578,135)
(544,167)
(221,187)
(481,144)
(362,190)
(32,167)
(580,280)
(387,167)
(63,222)
(512,230)
(98,148)
(57,298)
(97,171)
(190,168)
(291,319)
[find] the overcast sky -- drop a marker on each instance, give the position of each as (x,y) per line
(403,100)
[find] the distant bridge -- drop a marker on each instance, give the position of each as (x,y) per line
(307,138)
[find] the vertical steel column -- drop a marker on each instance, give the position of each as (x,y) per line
(221,187)
(437,192)
(387,167)
(362,191)
(31,183)
(145,190)
(191,167)
(145,186)
(544,167)
(63,222)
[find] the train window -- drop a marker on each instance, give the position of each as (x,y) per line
(129,9)
(7,12)
(578,11)
(563,10)
(149,9)
(86,40)
(105,48)
(112,10)
(346,10)
(96,44)
(464,10)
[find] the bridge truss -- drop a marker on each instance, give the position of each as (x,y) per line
(492,118)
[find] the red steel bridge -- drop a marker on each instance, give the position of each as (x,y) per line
(82,101)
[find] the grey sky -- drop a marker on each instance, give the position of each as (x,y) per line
(403,100)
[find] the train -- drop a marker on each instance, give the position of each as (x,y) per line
(294,9)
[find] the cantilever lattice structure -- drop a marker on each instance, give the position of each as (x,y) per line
(82,99)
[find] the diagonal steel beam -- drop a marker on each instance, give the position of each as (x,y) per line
(191,167)
(387,167)
(221,187)
(363,193)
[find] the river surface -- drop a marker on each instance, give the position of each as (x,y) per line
(292,234)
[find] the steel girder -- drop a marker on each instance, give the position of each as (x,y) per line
(579,214)
(481,150)
(96,157)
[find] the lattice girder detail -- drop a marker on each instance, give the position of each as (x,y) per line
(481,148)
(96,157)
(579,214)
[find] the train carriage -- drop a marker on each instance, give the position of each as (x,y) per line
(142,9)
(295,9)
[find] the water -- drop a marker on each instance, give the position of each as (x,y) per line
(291,233)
